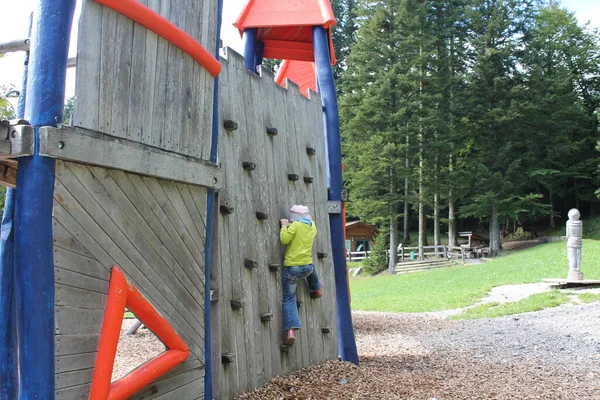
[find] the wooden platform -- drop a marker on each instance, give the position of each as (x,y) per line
(566,283)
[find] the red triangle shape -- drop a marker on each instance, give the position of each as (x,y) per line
(121,294)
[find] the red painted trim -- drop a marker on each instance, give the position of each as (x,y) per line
(148,18)
(123,294)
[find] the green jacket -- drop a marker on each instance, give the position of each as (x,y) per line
(299,238)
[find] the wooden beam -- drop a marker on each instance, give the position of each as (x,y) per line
(95,148)
(14,45)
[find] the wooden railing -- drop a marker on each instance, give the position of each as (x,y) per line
(412,253)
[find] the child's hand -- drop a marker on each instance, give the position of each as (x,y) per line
(284,223)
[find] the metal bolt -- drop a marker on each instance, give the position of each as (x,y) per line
(61,145)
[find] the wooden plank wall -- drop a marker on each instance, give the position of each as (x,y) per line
(256,103)
(154,231)
(133,84)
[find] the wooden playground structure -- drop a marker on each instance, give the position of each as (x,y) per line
(168,187)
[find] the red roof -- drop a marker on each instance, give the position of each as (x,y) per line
(287,13)
(285,26)
(300,72)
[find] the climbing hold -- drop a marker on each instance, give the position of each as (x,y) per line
(237,304)
(293,177)
(230,126)
(261,215)
(285,348)
(320,255)
(299,304)
(272,131)
(226,210)
(308,179)
(274,267)
(311,151)
(266,317)
(326,329)
(214,295)
(249,263)
(228,358)
(249,166)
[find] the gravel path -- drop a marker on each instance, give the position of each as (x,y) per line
(551,354)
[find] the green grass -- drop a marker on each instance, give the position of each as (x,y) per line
(535,302)
(129,315)
(462,286)
(588,297)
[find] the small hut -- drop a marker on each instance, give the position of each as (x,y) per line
(359,236)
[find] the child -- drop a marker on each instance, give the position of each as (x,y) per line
(299,236)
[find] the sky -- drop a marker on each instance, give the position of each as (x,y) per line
(15,27)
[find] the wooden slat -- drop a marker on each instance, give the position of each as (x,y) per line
(74,378)
(89,147)
(74,362)
(69,320)
(75,344)
(75,297)
(81,392)
(168,388)
(87,79)
(71,261)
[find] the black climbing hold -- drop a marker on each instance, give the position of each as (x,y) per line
(293,177)
(311,151)
(308,179)
(299,304)
(237,304)
(274,267)
(226,210)
(261,215)
(326,329)
(285,348)
(320,255)
(272,131)
(249,263)
(266,317)
(227,358)
(230,125)
(249,166)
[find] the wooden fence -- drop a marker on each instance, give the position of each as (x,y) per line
(412,253)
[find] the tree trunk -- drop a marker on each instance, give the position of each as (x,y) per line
(393,226)
(436,219)
(494,232)
(406,233)
(451,210)
(393,244)
(422,216)
(552,221)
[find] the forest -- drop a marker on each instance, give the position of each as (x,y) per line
(470,113)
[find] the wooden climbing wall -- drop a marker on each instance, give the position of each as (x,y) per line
(247,349)
(154,231)
(133,84)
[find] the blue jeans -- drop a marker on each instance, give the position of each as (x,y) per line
(291,275)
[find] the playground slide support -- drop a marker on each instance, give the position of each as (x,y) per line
(34,270)
(250,46)
(210,222)
(326,85)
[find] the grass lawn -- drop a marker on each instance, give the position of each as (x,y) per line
(462,286)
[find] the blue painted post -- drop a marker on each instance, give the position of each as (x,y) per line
(260,52)
(346,341)
(210,220)
(250,44)
(8,315)
(34,271)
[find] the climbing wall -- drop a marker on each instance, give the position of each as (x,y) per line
(153,230)
(272,151)
(133,84)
